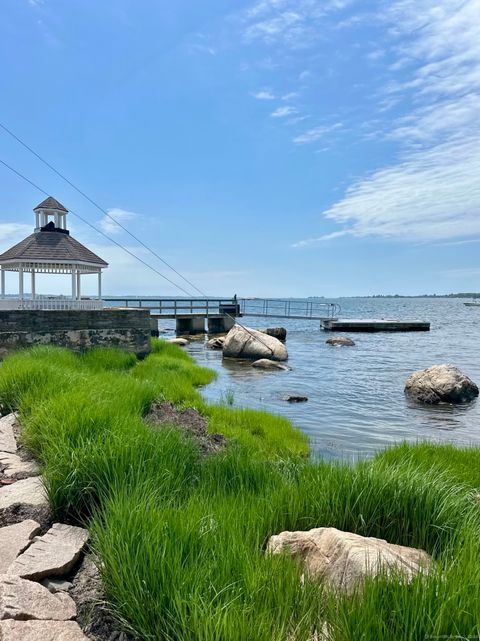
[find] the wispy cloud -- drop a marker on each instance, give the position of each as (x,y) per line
(316,133)
(283,112)
(432,191)
(264,94)
(121,215)
(322,239)
(11,233)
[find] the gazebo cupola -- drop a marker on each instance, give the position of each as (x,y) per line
(50,250)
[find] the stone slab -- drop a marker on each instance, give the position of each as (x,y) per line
(14,539)
(8,442)
(27,491)
(41,631)
(24,600)
(13,464)
(53,554)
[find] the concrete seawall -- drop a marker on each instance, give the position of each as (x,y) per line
(128,329)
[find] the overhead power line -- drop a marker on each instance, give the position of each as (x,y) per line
(99,207)
(99,231)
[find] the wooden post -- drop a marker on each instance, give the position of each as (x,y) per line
(33,283)
(20,283)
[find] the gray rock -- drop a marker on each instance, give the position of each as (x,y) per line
(27,491)
(276,332)
(216,343)
(7,437)
(23,600)
(41,631)
(13,465)
(266,363)
(340,341)
(53,554)
(441,384)
(243,342)
(292,398)
(14,539)
(344,560)
(182,342)
(56,585)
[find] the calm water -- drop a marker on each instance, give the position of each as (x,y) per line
(356,402)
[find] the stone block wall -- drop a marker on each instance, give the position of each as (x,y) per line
(127,329)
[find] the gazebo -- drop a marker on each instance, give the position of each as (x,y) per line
(50,250)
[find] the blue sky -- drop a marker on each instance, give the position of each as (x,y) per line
(263,147)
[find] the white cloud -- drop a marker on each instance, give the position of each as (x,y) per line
(432,191)
(264,94)
(121,215)
(316,133)
(283,112)
(290,96)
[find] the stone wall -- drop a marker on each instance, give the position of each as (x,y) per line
(127,329)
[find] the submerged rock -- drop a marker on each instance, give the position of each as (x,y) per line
(340,341)
(294,398)
(243,342)
(344,559)
(266,363)
(276,332)
(441,384)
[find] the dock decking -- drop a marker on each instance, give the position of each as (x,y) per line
(375,325)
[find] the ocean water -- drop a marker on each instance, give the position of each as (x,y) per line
(356,403)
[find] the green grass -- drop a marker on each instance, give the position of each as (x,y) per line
(181,537)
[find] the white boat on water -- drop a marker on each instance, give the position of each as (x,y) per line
(472,304)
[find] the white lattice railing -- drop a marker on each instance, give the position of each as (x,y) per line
(51,303)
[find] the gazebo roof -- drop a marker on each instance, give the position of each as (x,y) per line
(51,203)
(51,246)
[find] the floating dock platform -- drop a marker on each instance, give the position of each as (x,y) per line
(374,325)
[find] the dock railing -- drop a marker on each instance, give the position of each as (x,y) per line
(289,308)
(180,307)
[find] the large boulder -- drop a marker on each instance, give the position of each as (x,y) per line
(344,560)
(243,342)
(441,384)
(216,343)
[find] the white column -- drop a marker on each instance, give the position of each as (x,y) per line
(20,283)
(74,284)
(3,282)
(79,288)
(37,219)
(100,285)
(33,283)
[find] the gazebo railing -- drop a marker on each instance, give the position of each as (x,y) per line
(51,303)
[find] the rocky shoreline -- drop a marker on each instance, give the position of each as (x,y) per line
(50,585)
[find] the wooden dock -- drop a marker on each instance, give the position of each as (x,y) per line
(374,325)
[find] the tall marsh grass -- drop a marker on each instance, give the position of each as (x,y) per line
(181,537)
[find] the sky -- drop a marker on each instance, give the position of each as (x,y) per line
(261,147)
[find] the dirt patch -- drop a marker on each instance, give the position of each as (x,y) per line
(190,421)
(93,614)
(19,512)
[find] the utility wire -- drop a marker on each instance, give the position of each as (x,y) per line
(99,207)
(20,175)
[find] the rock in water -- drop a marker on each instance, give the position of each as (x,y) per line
(340,341)
(182,342)
(441,384)
(276,332)
(344,559)
(266,363)
(216,343)
(295,398)
(243,342)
